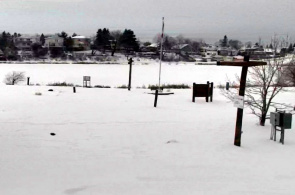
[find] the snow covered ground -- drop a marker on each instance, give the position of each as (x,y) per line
(143,73)
(113,141)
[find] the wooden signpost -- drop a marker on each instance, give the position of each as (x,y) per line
(130,61)
(244,64)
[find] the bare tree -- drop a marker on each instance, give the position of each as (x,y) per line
(289,73)
(14,77)
(264,83)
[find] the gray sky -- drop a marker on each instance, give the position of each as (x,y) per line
(210,20)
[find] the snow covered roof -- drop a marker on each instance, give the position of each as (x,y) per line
(54,37)
(79,37)
(180,46)
(153,45)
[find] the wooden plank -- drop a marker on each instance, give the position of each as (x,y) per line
(241,63)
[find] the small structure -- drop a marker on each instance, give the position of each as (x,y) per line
(280,119)
(86,81)
(203,90)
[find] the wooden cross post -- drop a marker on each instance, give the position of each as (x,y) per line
(244,64)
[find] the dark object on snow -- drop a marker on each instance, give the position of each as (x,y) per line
(74,89)
(203,90)
(50,89)
(53,134)
(172,141)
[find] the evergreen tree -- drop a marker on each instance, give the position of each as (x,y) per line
(68,44)
(128,40)
(290,49)
(42,39)
(102,39)
(224,41)
(3,41)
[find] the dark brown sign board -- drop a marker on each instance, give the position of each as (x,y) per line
(86,78)
(244,64)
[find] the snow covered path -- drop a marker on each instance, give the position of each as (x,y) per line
(112,141)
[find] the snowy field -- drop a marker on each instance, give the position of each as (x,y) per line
(114,142)
(143,73)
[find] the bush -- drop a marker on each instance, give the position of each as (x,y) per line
(101,86)
(63,84)
(38,93)
(169,86)
(122,87)
(14,77)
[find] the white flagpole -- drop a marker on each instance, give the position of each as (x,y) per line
(161,52)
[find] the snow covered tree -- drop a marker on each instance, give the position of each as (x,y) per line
(264,83)
(289,73)
(14,78)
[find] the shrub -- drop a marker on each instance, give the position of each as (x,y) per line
(63,84)
(122,87)
(169,86)
(38,93)
(101,86)
(14,77)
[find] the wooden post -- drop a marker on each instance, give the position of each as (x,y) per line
(239,121)
(28,80)
(74,89)
(227,86)
(245,64)
(212,87)
(130,73)
(194,92)
(156,98)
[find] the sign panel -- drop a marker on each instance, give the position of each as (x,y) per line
(239,102)
(86,78)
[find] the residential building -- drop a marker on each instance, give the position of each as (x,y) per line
(54,41)
(24,43)
(81,43)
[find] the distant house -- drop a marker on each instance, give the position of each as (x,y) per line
(54,41)
(225,51)
(81,43)
(149,48)
(183,49)
(24,43)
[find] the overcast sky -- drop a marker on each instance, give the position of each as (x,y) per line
(210,20)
